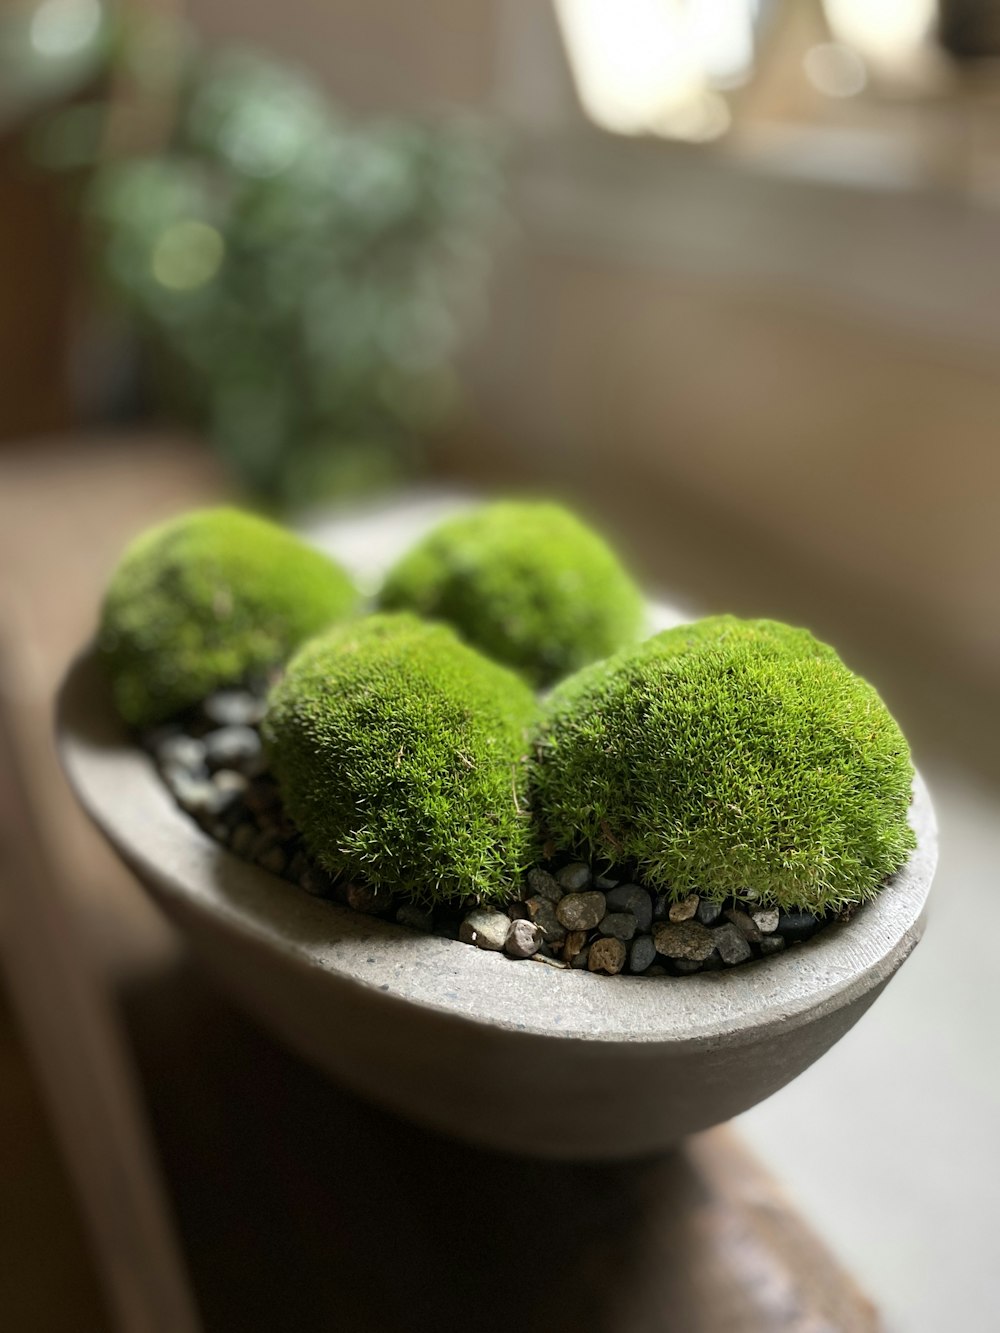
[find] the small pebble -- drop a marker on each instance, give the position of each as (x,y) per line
(606,955)
(543,885)
(744,924)
(233,708)
(543,913)
(417,918)
(771,944)
(365,898)
(518,912)
(657,970)
(582,959)
(685,909)
(632,898)
(686,939)
(317,883)
(797,925)
(708,913)
(605,882)
(198,796)
(575,878)
(661,907)
(523,939)
(766,921)
(485,928)
(573,943)
(550,962)
(186,751)
(232,747)
(641,954)
(620,925)
(581,911)
(731,944)
(687,966)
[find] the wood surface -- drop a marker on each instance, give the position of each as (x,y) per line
(303,1207)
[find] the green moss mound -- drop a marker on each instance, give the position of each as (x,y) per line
(750,763)
(526,583)
(210,599)
(770,636)
(399,752)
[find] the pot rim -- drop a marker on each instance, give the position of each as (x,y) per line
(187,871)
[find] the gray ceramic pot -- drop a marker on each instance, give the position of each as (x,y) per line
(515,1055)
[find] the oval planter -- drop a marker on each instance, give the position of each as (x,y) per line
(515,1055)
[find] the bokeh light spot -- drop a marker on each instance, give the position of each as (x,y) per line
(62,28)
(187,255)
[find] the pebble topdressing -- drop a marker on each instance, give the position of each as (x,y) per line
(567,915)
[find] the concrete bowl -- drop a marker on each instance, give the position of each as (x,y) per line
(514,1055)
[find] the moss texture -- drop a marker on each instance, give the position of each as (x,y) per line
(210,599)
(526,583)
(728,759)
(400,753)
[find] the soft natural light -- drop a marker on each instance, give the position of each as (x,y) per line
(652,66)
(884,31)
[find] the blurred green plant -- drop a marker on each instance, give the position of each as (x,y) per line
(300,281)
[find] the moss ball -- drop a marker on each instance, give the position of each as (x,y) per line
(769,636)
(748,763)
(526,583)
(400,754)
(208,599)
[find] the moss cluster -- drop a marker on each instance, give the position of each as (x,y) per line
(526,583)
(210,599)
(731,758)
(400,755)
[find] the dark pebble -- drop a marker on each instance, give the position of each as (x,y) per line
(744,924)
(708,913)
(687,967)
(543,885)
(543,913)
(797,925)
(641,953)
(582,959)
(364,898)
(417,918)
(632,898)
(574,878)
(732,944)
(619,925)
(317,883)
(771,944)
